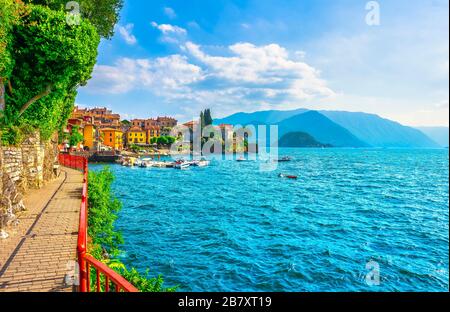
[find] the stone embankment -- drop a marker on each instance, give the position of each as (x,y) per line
(24,167)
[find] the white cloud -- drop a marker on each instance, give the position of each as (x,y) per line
(126,33)
(264,68)
(170,33)
(162,76)
(170,13)
(250,77)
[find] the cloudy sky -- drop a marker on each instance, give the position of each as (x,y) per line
(178,57)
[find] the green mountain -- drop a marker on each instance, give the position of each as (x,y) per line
(321,128)
(299,139)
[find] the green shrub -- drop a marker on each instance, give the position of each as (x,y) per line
(103,209)
(75,137)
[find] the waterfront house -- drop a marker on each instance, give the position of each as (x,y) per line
(136,135)
(112,138)
(89,136)
(152,132)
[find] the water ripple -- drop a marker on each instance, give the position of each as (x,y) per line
(229,227)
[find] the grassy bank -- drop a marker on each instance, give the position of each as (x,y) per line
(105,240)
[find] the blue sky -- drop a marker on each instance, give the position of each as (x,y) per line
(179,57)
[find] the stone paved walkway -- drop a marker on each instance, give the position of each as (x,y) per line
(36,256)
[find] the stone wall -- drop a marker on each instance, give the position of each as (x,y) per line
(22,168)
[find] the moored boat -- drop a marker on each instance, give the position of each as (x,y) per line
(284,159)
(182,165)
(287,176)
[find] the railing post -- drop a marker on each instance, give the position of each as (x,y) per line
(83,271)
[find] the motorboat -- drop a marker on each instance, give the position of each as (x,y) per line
(287,176)
(146,162)
(284,159)
(182,165)
(201,163)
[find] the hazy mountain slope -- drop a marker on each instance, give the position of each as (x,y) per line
(437,134)
(362,127)
(321,128)
(256,118)
(380,132)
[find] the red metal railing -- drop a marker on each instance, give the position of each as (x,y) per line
(72,161)
(85,261)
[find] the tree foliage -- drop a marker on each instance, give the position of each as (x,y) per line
(44,59)
(9,16)
(75,137)
(54,58)
(103,14)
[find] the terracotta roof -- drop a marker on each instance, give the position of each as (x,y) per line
(135,129)
(110,129)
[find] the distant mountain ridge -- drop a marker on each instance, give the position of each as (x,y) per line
(380,132)
(438,134)
(337,128)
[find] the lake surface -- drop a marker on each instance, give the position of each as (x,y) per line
(230,227)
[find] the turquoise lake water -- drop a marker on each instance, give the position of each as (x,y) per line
(230,227)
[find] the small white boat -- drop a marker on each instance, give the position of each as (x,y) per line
(146,162)
(203,162)
(182,165)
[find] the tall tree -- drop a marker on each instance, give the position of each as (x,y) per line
(103,14)
(202,120)
(208,118)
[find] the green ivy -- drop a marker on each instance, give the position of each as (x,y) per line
(43,60)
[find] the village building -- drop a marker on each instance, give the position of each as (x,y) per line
(136,135)
(112,137)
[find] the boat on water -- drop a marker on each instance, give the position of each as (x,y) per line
(284,159)
(241,159)
(201,163)
(146,162)
(128,161)
(182,165)
(287,176)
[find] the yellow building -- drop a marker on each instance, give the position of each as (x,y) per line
(152,132)
(89,136)
(136,136)
(112,138)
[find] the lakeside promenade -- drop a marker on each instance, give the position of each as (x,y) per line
(37,255)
